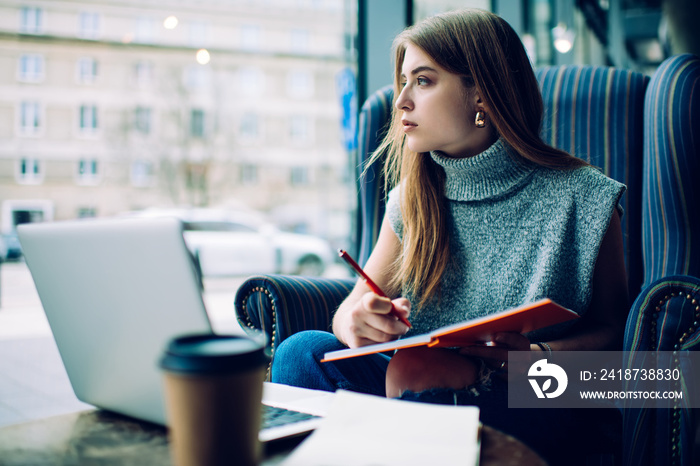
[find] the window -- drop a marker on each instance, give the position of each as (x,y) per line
(87,212)
(88,173)
(197,123)
(87,70)
(142,120)
(197,77)
(142,173)
(89,25)
(300,84)
(249,129)
(250,37)
(198,34)
(88,118)
(249,174)
(29,118)
(31,20)
(299,40)
(29,171)
(145,30)
(300,129)
(31,68)
(143,73)
(299,176)
(251,81)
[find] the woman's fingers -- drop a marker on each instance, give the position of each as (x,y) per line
(372,322)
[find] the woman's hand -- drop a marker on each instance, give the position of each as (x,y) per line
(370,320)
(495,354)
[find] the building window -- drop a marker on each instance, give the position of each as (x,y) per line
(143,73)
(88,118)
(198,34)
(251,81)
(197,77)
(87,212)
(299,42)
(142,173)
(250,37)
(29,118)
(31,20)
(145,30)
(31,68)
(87,70)
(300,129)
(249,174)
(88,173)
(142,120)
(197,123)
(300,84)
(29,171)
(249,129)
(299,176)
(89,25)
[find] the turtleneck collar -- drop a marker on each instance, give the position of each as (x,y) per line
(489,174)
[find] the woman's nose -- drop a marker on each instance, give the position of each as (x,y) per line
(403,102)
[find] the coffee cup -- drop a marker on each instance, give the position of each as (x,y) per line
(213,394)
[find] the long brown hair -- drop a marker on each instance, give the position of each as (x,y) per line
(487,53)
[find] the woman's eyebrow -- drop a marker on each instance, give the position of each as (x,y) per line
(420,69)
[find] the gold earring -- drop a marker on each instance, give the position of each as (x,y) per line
(480,120)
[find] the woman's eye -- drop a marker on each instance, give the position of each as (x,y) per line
(422,81)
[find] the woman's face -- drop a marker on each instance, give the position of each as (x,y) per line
(437,111)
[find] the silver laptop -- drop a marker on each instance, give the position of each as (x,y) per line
(115,291)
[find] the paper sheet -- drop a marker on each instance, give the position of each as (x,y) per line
(370,430)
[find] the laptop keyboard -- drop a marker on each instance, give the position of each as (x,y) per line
(274,417)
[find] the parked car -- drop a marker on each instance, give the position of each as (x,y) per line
(234,243)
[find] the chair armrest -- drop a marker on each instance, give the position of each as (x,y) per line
(664,317)
(281,305)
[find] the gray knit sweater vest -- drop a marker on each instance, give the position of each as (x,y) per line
(519,232)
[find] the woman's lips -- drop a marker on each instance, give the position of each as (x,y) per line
(408,125)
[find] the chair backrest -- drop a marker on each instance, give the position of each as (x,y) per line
(374,119)
(592,112)
(595,113)
(671,193)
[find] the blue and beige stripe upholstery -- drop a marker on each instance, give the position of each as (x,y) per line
(374,120)
(671,196)
(664,317)
(281,305)
(666,313)
(595,113)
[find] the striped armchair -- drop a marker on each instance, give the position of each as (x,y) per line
(637,131)
(666,313)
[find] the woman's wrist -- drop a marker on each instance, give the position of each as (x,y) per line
(544,347)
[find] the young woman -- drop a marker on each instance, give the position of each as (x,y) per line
(483,217)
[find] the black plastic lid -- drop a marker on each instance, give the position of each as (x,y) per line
(213,354)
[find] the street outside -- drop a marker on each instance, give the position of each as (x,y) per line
(22,316)
(33,382)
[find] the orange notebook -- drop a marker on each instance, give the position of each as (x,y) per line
(522,319)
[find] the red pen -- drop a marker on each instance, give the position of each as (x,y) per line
(373,286)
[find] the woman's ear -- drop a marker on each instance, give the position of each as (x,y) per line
(477,102)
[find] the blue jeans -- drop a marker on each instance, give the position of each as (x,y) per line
(297,363)
(562,436)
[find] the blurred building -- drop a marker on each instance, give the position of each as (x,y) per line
(121,105)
